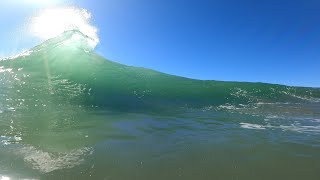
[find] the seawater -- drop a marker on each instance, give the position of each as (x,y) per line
(68,113)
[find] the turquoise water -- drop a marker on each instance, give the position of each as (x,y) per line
(68,113)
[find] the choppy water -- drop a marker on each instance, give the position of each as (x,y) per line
(67,113)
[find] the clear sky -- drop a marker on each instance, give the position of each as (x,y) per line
(275,41)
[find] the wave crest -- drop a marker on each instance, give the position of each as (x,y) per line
(52,22)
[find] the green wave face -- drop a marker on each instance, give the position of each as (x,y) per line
(65,70)
(61,104)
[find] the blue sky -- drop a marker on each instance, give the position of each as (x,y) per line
(275,41)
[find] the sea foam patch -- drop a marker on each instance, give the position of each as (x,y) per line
(296,127)
(251,126)
(47,162)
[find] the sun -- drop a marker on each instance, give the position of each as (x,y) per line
(51,22)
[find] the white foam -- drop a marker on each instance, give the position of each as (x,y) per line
(4,177)
(316,120)
(251,126)
(292,127)
(310,99)
(24,53)
(273,117)
(301,129)
(47,162)
(227,106)
(6,140)
(2,69)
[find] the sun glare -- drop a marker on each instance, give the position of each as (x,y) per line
(42,1)
(50,23)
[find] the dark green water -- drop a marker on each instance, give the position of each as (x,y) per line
(68,113)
